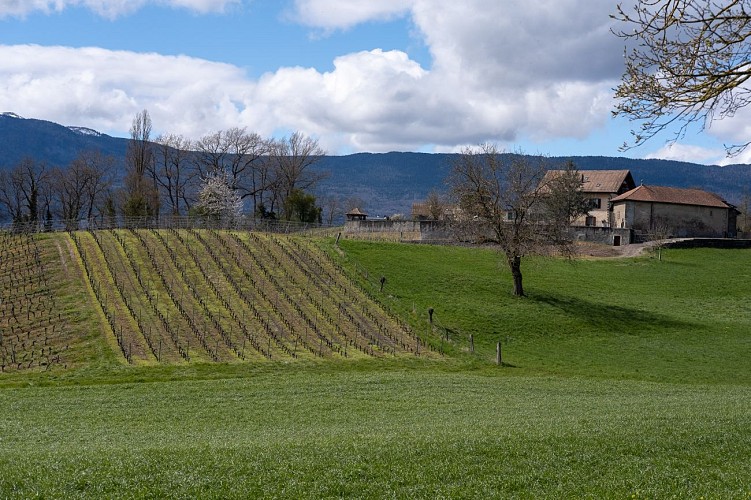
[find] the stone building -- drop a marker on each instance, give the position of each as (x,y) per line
(674,212)
(599,187)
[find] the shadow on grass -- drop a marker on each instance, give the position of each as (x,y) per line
(611,318)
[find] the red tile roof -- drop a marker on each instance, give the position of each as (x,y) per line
(599,181)
(676,196)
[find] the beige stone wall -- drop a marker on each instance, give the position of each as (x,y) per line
(397,230)
(600,214)
(619,216)
(682,220)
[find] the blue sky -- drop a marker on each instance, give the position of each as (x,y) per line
(359,75)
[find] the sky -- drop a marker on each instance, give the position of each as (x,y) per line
(535,76)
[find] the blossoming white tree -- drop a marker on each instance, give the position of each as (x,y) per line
(218,199)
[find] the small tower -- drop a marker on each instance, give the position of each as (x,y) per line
(356,214)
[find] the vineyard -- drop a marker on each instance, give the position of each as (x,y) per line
(202,295)
(33,331)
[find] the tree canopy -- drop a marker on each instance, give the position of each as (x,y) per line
(687,61)
(509,200)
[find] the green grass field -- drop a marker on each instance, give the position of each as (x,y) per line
(622,379)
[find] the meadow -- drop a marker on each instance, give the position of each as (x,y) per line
(621,378)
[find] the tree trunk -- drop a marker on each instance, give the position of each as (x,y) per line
(515,264)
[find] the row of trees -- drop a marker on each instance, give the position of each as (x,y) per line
(224,173)
(173,174)
(32,192)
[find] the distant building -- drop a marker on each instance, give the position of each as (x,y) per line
(356,214)
(599,187)
(681,213)
(420,211)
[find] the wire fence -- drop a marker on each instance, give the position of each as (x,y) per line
(243,223)
(427,323)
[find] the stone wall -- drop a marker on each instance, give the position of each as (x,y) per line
(709,243)
(414,230)
(402,230)
(605,235)
(682,221)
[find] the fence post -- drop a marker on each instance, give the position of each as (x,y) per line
(498,357)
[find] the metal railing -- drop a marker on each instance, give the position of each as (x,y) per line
(243,223)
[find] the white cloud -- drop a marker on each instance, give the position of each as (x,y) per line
(103,89)
(501,71)
(107,8)
(343,14)
(689,153)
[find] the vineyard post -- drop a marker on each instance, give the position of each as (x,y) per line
(471,343)
(498,356)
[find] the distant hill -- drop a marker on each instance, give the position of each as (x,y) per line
(391,182)
(388,183)
(49,142)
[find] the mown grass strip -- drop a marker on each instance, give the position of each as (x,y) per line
(318,433)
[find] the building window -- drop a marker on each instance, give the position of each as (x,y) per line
(595,203)
(590,221)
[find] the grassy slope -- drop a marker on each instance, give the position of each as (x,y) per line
(631,378)
(684,319)
(326,433)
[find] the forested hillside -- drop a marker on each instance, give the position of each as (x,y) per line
(385,183)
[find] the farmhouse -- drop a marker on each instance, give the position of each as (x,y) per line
(674,212)
(599,187)
(620,213)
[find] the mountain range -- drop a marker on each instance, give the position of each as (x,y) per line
(387,183)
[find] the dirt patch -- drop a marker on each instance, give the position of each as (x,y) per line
(601,251)
(62,258)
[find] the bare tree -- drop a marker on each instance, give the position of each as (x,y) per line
(11,200)
(100,170)
(175,172)
(332,208)
(21,191)
(436,205)
(292,159)
(689,62)
(69,191)
(658,234)
(79,189)
(507,199)
(241,155)
(141,196)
